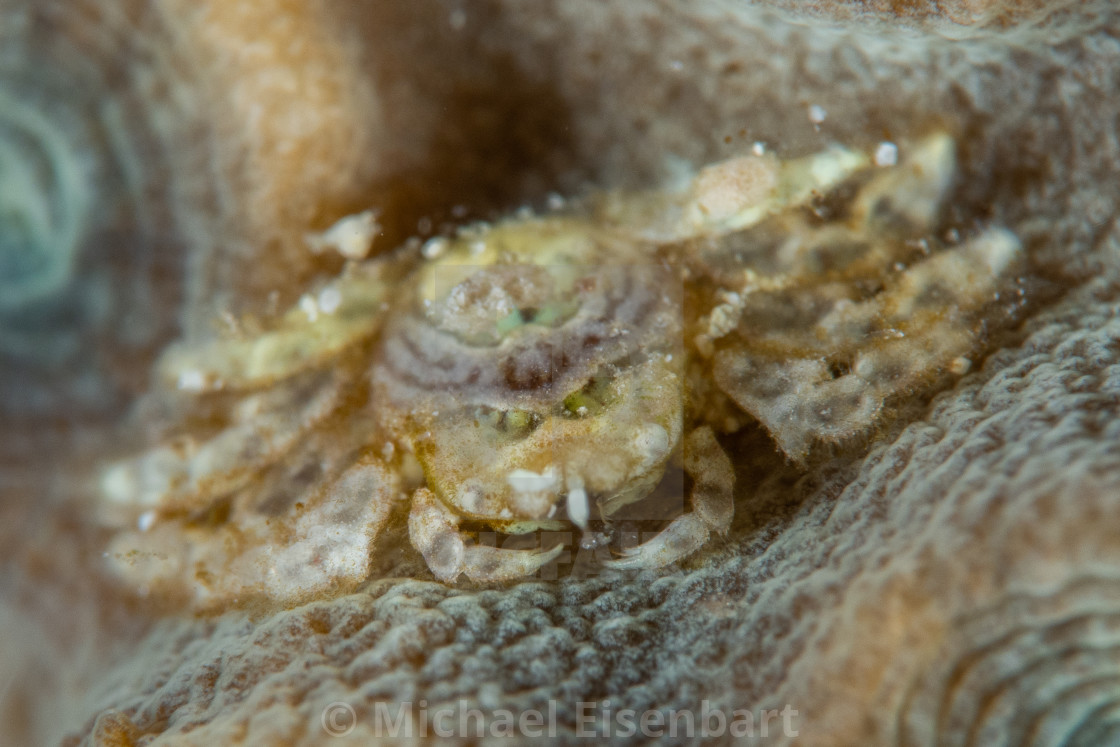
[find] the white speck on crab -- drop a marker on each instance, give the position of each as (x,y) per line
(191,380)
(581,410)
(388,450)
(146,520)
(864,368)
(651,443)
(528,481)
(330,298)
(470,498)
(351,236)
(119,484)
(725,317)
(998,249)
(833,165)
(477,247)
(578,509)
(555,201)
(759,148)
(960,365)
(676,65)
(592,540)
(309,306)
(668,357)
(434,247)
(817,114)
(886,154)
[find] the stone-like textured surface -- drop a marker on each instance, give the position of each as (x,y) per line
(958,584)
(955,585)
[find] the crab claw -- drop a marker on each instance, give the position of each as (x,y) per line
(711,501)
(434,530)
(499,564)
(682,537)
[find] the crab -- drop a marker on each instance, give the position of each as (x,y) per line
(557,372)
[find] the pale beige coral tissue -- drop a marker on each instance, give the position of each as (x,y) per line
(952,582)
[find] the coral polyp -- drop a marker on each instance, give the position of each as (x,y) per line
(560,372)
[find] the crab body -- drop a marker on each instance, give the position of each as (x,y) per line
(549,372)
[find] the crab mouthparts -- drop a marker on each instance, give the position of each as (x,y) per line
(578,509)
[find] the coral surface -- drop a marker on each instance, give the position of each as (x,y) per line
(949,579)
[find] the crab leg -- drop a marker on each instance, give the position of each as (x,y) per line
(313,331)
(434,531)
(712,505)
(927,320)
(189,475)
(734,195)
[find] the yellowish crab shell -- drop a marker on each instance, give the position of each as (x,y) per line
(554,353)
(548,371)
(517,481)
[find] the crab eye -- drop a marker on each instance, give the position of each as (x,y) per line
(592,399)
(548,315)
(512,423)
